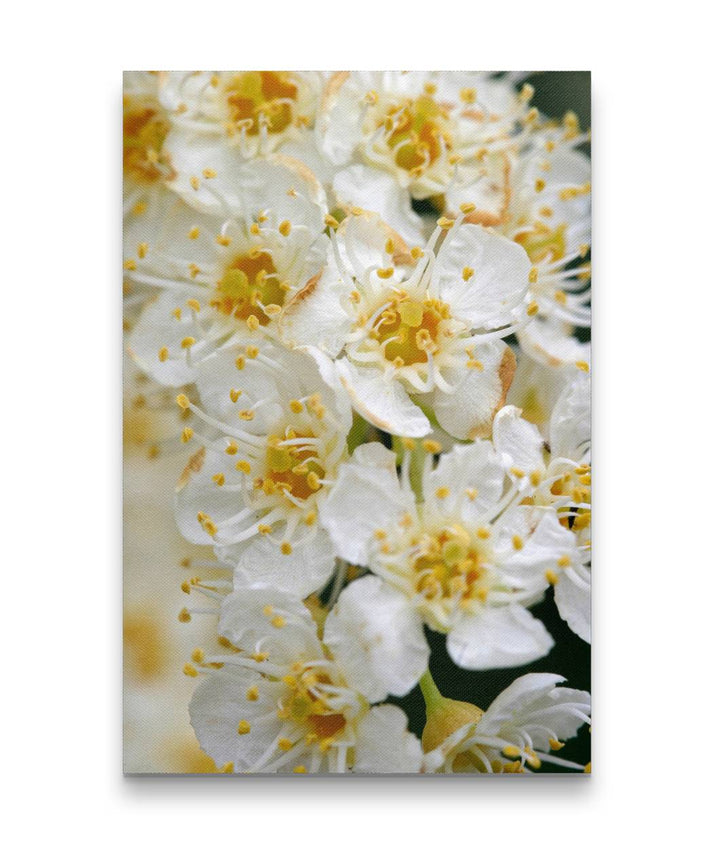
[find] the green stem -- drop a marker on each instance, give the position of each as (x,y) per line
(431,694)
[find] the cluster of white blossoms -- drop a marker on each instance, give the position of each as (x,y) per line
(369,295)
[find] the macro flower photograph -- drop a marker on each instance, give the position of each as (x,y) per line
(357,455)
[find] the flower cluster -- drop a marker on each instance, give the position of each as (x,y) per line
(369,296)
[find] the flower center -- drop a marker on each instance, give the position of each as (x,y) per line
(576,485)
(144,132)
(293,468)
(249,281)
(543,243)
(414,131)
(270,94)
(408,329)
(307,704)
(450,565)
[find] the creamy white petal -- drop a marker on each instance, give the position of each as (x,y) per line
(574,603)
(474,476)
(377,639)
(518,441)
(384,744)
(570,423)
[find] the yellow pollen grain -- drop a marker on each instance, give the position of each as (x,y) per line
(190,670)
(198,655)
(243,466)
(284,745)
(516,471)
(483,533)
(260,656)
(240,363)
(532,308)
(194,270)
(235,394)
(252,694)
(389,246)
(555,745)
(380,534)
(467,273)
(561,297)
(208,172)
(539,185)
(533,275)
(517,542)
(183,401)
(471,493)
(187,434)
(582,365)
(194,182)
(284,228)
(442,492)
(219,479)
(253,322)
(416,253)
(177,313)
(467,207)
(185,586)
(546,211)
(142,250)
(475,364)
(468,95)
(385,273)
(300,769)
(285,549)
(243,727)
(564,562)
(223,240)
(194,233)
(511,752)
(331,221)
(296,406)
(194,304)
(408,443)
(264,529)
(187,342)
(588,768)
(313,481)
(551,577)
(247,415)
(527,92)
(140,209)
(535,478)
(432,447)
(228,768)
(310,518)
(130,264)
(231,448)
(445,223)
(278,621)
(184,615)
(163,354)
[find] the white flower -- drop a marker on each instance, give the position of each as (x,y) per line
(514,735)
(285,701)
(421,324)
(560,481)
(468,560)
(275,437)
(226,279)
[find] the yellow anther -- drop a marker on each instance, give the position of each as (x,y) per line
(432,447)
(284,745)
(194,233)
(588,768)
(331,221)
(471,493)
(284,228)
(511,752)
(183,401)
(582,365)
(198,655)
(209,527)
(380,534)
(142,250)
(445,223)
(561,297)
(546,211)
(185,586)
(223,240)
(532,308)
(253,322)
(408,443)
(130,264)
(442,492)
(517,542)
(296,406)
(467,207)
(254,229)
(243,727)
(187,342)
(187,434)
(194,270)
(483,532)
(468,95)
(228,768)
(247,415)
(584,249)
(235,394)
(516,471)
(555,745)
(278,621)
(190,670)
(533,275)
(208,172)
(551,577)
(252,694)
(467,273)
(231,448)
(313,481)
(163,354)
(430,88)
(194,182)
(140,209)
(194,304)
(300,769)
(475,364)
(260,656)
(527,92)
(219,479)
(389,246)
(416,253)
(385,273)
(539,185)
(285,549)
(264,529)
(177,313)
(564,562)
(371,96)
(532,115)
(184,615)
(535,478)
(243,466)
(240,363)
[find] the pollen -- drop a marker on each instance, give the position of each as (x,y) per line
(183,401)
(582,365)
(442,492)
(296,406)
(194,304)
(284,745)
(564,562)
(432,447)
(187,434)
(252,351)
(286,550)
(539,185)
(209,173)
(532,308)
(163,354)
(467,207)
(194,182)
(190,670)
(284,228)
(243,727)
(445,223)
(555,745)
(517,542)
(184,615)
(385,273)
(219,479)
(467,273)
(533,275)
(187,342)
(247,415)
(194,233)
(278,621)
(231,448)
(240,363)
(551,577)
(252,694)
(243,466)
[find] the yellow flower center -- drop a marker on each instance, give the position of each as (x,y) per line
(543,243)
(449,564)
(292,468)
(144,132)
(251,94)
(248,281)
(575,484)
(307,705)
(410,328)
(414,130)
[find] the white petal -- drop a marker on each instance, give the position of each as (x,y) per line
(468,411)
(570,423)
(519,442)
(499,637)
(384,745)
(499,282)
(574,604)
(383,402)
(545,541)
(551,342)
(366,497)
(377,639)
(476,468)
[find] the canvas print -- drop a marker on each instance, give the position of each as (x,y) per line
(357,422)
